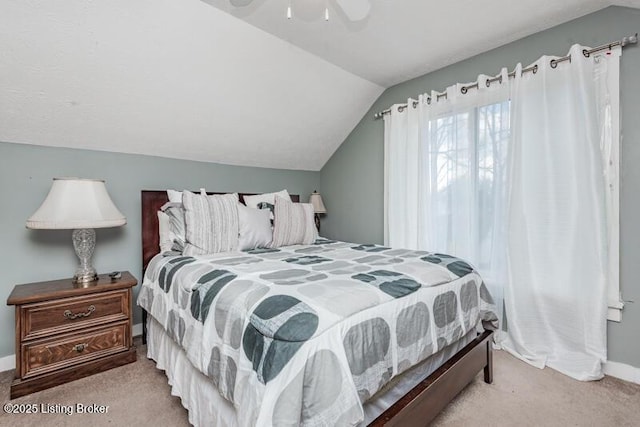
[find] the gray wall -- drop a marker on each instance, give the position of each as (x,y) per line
(352,180)
(26,172)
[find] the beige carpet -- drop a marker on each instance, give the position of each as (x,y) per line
(138,394)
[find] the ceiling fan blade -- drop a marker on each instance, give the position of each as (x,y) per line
(356,10)
(240,3)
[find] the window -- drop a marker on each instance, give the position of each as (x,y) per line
(468,172)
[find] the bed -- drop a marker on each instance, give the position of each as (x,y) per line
(331,333)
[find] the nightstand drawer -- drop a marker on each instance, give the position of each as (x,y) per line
(68,314)
(49,355)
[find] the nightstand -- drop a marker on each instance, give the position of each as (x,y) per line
(65,331)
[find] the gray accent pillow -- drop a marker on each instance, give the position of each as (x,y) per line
(293,223)
(253,201)
(177,227)
(165,237)
(255,228)
(211,223)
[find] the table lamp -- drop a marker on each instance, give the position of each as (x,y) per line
(318,207)
(79,205)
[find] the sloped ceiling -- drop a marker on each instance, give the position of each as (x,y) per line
(403,39)
(203,80)
(173,78)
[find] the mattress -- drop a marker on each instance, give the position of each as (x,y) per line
(266,326)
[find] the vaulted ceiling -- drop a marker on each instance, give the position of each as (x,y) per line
(402,39)
(207,80)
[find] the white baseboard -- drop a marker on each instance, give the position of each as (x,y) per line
(9,362)
(622,371)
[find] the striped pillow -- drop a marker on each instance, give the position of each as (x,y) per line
(212,223)
(293,223)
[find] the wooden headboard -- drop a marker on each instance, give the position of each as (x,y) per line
(152,201)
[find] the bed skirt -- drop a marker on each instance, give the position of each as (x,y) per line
(207,407)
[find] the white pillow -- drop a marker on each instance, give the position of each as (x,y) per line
(174,196)
(255,228)
(211,223)
(293,224)
(254,201)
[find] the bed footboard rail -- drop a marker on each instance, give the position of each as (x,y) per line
(144,326)
(426,400)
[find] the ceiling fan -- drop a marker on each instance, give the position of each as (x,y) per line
(354,10)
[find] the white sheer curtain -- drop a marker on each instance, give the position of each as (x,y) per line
(519,177)
(558,233)
(445,166)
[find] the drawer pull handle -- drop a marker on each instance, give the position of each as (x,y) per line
(69,315)
(80,347)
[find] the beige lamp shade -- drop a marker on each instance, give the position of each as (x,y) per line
(75,203)
(316,200)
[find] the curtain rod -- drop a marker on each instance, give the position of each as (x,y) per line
(534,69)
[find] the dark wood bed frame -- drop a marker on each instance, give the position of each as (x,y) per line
(422,403)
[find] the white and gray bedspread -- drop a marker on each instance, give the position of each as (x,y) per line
(303,335)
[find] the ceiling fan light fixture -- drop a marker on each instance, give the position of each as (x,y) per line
(353,10)
(290,13)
